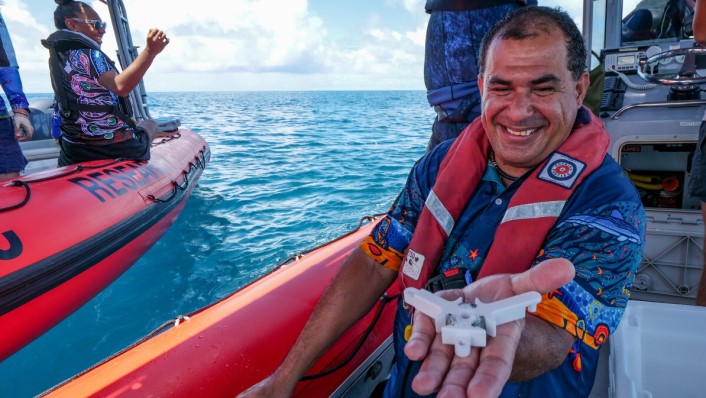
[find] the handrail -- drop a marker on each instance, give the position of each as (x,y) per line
(587,28)
(667,104)
(127,52)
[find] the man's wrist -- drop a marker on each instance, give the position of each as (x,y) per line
(21,111)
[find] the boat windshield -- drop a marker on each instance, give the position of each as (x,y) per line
(646,22)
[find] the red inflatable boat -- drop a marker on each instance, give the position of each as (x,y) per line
(65,234)
(225,348)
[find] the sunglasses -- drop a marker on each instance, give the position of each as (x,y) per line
(96,23)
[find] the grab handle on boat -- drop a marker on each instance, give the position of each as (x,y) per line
(175,188)
(28,193)
(179,319)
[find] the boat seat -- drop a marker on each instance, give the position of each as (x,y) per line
(40,149)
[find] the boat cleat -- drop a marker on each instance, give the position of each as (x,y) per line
(466,325)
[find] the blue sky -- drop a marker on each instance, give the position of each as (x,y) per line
(255,45)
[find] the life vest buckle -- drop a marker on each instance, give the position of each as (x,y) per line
(454,278)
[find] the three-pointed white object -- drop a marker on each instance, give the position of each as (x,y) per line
(466,325)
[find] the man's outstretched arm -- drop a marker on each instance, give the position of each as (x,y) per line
(350,295)
(486,370)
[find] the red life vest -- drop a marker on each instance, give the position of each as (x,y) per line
(532,211)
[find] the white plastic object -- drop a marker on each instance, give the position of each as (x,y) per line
(465,325)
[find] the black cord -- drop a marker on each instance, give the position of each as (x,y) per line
(383,301)
(498,169)
(28,193)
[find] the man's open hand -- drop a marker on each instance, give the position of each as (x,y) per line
(486,370)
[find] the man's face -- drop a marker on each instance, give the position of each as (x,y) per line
(530,99)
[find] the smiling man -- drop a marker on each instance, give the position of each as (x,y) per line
(525,192)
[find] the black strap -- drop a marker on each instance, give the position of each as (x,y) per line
(465,5)
(454,278)
(56,79)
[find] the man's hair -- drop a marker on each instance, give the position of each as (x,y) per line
(531,21)
(67,9)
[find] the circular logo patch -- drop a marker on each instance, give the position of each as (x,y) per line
(562,170)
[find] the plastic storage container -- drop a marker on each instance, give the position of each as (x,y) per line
(659,350)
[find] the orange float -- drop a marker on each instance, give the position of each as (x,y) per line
(223,349)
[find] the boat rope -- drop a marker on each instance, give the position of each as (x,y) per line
(175,323)
(383,301)
(199,162)
(175,189)
(173,136)
(28,191)
(301,254)
(295,257)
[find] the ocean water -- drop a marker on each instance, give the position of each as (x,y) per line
(289,171)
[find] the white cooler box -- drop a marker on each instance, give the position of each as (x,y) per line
(659,351)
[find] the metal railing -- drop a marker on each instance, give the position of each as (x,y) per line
(127,52)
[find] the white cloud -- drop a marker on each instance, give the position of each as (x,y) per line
(412,6)
(268,40)
(245,36)
(418,36)
(26,31)
(574,8)
(248,45)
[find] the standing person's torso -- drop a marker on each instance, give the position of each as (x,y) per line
(82,68)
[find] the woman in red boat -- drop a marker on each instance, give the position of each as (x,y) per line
(91,95)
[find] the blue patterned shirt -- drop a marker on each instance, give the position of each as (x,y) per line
(601,231)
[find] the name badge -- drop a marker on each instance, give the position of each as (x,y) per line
(413,264)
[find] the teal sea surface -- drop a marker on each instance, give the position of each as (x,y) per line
(289,171)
